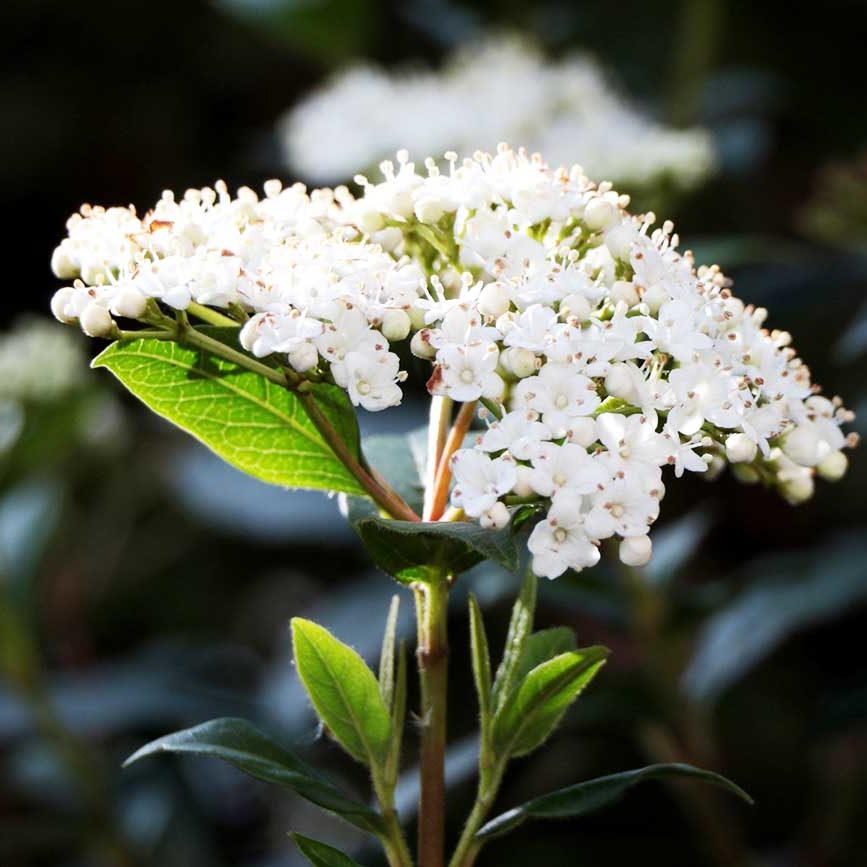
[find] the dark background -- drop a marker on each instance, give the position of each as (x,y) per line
(147,588)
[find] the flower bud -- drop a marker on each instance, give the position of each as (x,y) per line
(96,321)
(496,517)
(582,431)
(416,317)
(129,303)
(834,467)
(797,488)
(60,302)
(62,264)
(577,306)
(420,345)
(429,210)
(389,238)
(369,220)
(599,214)
(304,358)
(740,449)
(518,361)
(624,290)
(619,240)
(654,297)
(636,550)
(494,300)
(803,446)
(714,468)
(523,488)
(618,382)
(396,325)
(496,388)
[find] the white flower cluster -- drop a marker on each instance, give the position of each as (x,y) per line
(601,354)
(313,289)
(501,89)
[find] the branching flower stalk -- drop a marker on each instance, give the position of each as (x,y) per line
(594,354)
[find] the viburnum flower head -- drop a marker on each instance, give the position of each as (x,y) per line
(598,355)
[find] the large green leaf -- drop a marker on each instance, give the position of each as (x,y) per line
(533,710)
(344,692)
(249,421)
(414,551)
(240,744)
(583,798)
(321,854)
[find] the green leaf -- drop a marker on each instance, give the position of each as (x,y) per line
(481,662)
(386,657)
(343,691)
(321,854)
(240,744)
(542,646)
(418,551)
(583,798)
(249,421)
(520,627)
(398,717)
(534,709)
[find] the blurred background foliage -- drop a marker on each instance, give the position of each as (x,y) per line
(145,587)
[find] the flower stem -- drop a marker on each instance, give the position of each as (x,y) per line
(440,495)
(432,653)
(440,416)
(212,317)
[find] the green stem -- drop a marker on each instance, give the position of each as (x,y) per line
(432,615)
(468,847)
(212,317)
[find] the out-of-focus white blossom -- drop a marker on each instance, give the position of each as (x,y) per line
(501,89)
(601,354)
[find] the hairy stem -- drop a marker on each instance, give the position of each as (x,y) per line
(439,497)
(468,847)
(432,653)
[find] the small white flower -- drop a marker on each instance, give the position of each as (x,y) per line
(371,379)
(520,432)
(560,541)
(480,481)
(565,468)
(622,508)
(558,395)
(469,372)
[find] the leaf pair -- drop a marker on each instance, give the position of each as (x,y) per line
(539,677)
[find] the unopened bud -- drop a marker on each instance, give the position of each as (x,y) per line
(304,358)
(60,302)
(523,488)
(618,382)
(129,303)
(625,291)
(494,300)
(599,214)
(396,325)
(740,449)
(803,446)
(654,297)
(797,488)
(96,321)
(619,240)
(636,550)
(518,361)
(496,517)
(429,210)
(62,264)
(420,345)
(577,306)
(834,467)
(745,473)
